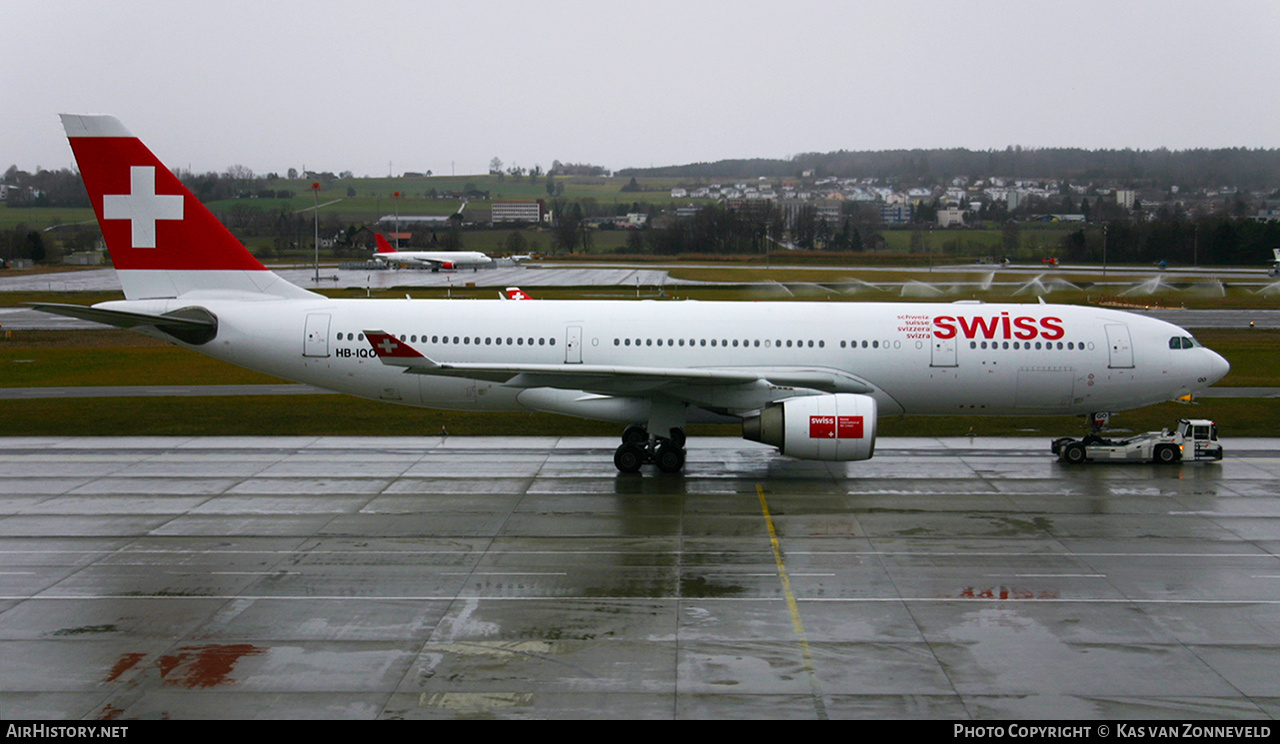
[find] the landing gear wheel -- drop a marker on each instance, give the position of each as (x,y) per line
(669,458)
(638,449)
(629,457)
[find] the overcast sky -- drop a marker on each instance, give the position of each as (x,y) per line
(379,86)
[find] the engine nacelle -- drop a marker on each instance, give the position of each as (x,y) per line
(818,427)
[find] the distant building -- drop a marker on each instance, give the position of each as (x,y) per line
(897,214)
(950,217)
(519,212)
(824,211)
(390,222)
(88,258)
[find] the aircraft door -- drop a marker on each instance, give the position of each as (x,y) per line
(573,345)
(315,341)
(944,353)
(1119,346)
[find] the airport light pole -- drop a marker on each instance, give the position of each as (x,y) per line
(1104,249)
(315,199)
(396,197)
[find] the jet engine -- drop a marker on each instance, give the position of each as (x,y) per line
(818,427)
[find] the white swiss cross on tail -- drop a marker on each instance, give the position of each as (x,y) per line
(143,206)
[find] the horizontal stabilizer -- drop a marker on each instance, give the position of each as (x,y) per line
(194,325)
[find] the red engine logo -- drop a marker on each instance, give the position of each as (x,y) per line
(835,427)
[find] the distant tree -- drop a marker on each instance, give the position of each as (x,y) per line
(515,242)
(635,241)
(567,230)
(35,247)
(1010,237)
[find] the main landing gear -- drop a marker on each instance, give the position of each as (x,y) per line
(639,448)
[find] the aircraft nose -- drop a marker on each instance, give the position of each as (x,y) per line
(1218,367)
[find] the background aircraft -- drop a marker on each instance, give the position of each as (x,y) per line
(434,260)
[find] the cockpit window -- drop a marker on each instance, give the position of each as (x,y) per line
(1183,342)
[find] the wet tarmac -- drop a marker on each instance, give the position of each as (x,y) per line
(522,578)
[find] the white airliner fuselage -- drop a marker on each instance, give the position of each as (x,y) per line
(913,358)
(808,378)
(434,260)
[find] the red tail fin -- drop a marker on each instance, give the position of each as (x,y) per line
(383,245)
(163,241)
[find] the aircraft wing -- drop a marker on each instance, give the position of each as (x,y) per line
(692,384)
(407,259)
(420,261)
